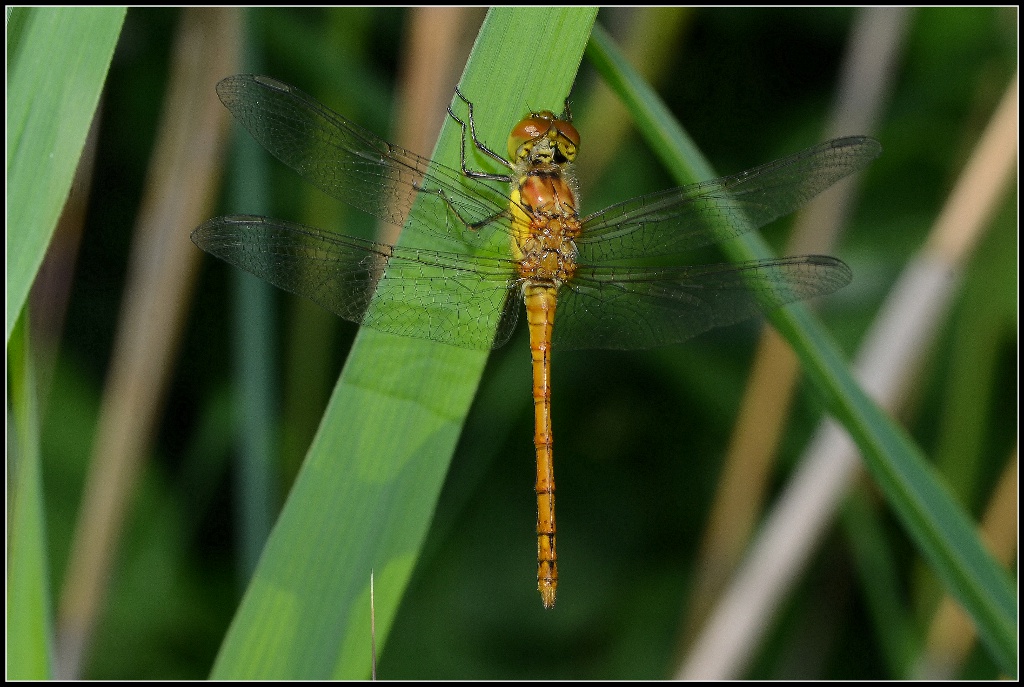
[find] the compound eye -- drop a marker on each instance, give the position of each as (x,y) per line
(524,133)
(568,138)
(539,124)
(567,130)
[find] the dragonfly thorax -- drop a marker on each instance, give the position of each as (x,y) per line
(546,224)
(548,258)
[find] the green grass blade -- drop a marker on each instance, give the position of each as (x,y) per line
(29,613)
(57,62)
(253,343)
(875,557)
(941,529)
(366,493)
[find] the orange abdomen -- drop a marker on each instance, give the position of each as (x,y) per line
(540,316)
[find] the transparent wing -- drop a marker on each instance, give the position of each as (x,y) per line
(462,299)
(631,308)
(453,298)
(678,219)
(358,167)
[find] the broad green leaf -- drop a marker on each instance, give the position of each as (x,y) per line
(366,493)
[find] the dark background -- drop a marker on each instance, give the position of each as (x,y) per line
(639,436)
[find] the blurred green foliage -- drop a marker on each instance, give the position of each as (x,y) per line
(639,437)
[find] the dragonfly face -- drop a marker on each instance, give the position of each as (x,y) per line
(543,139)
(576,275)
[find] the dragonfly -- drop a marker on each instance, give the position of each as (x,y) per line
(517,237)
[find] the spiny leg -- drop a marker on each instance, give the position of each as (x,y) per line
(479,145)
(466,224)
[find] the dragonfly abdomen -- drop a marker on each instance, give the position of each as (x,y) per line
(540,316)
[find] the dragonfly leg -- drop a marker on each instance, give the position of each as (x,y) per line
(566,112)
(466,224)
(472,173)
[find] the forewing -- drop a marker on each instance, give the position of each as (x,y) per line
(632,308)
(448,297)
(678,219)
(360,168)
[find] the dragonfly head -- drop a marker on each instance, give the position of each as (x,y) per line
(543,138)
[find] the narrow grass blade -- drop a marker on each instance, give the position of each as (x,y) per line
(57,61)
(29,609)
(941,529)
